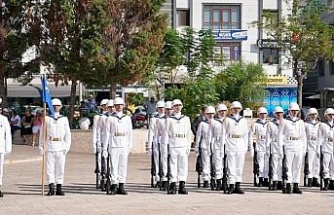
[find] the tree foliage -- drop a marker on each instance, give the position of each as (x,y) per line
(302,37)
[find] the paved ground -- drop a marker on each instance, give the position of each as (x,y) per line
(23,192)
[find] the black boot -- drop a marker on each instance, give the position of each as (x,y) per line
(309,182)
(182,188)
(260,184)
(326,186)
(113,189)
(172,189)
(230,189)
(279,185)
(206,184)
(266,182)
(219,184)
(121,190)
(237,189)
(164,185)
(331,185)
(1,194)
(315,183)
(288,188)
(158,184)
(51,189)
(59,192)
(296,189)
(274,187)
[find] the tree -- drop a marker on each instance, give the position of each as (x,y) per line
(17,23)
(241,81)
(302,37)
(134,32)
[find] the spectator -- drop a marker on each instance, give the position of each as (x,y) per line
(197,121)
(91,103)
(15,122)
(150,110)
(37,123)
(83,109)
(5,112)
(27,121)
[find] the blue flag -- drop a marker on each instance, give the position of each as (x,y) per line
(46,97)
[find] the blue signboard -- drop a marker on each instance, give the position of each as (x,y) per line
(279,96)
(230,34)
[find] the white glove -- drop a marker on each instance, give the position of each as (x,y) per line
(252,152)
(104,154)
(65,152)
(98,150)
(149,151)
(197,151)
(41,151)
(267,153)
(188,151)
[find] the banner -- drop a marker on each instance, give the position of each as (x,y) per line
(279,97)
(46,97)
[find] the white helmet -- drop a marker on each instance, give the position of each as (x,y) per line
(56,102)
(110,103)
(177,102)
(278,109)
(210,109)
(262,110)
(236,104)
(168,104)
(160,104)
(104,102)
(221,107)
(294,106)
(312,111)
(329,111)
(118,101)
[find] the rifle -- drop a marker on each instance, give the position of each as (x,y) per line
(306,169)
(108,175)
(255,166)
(270,174)
(212,170)
(103,173)
(224,181)
(160,167)
(284,171)
(168,169)
(153,169)
(199,164)
(321,169)
(97,171)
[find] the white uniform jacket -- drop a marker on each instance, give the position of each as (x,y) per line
(235,134)
(5,136)
(312,130)
(272,137)
(258,133)
(327,137)
(204,135)
(177,132)
(217,134)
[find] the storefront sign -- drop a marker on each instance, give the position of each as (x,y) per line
(230,34)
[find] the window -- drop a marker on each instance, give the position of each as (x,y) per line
(270,17)
(331,67)
(221,17)
(230,51)
(270,56)
(182,18)
(320,67)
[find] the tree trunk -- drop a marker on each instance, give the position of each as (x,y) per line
(3,93)
(72,101)
(113,88)
(300,91)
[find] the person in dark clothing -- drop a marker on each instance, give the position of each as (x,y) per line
(83,109)
(27,121)
(197,121)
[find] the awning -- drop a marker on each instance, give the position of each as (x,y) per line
(32,91)
(316,96)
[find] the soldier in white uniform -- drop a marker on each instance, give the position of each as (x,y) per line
(203,142)
(160,128)
(118,145)
(276,149)
(57,145)
(177,135)
(259,131)
(5,144)
(154,139)
(327,143)
(292,133)
(218,145)
(235,137)
(312,126)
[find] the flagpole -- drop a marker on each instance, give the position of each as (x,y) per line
(44,140)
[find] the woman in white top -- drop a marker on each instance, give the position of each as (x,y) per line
(15,122)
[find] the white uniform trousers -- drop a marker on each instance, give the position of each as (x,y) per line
(2,160)
(314,164)
(277,167)
(205,155)
(218,163)
(263,162)
(294,161)
(236,161)
(119,164)
(164,157)
(55,167)
(156,152)
(178,164)
(328,165)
